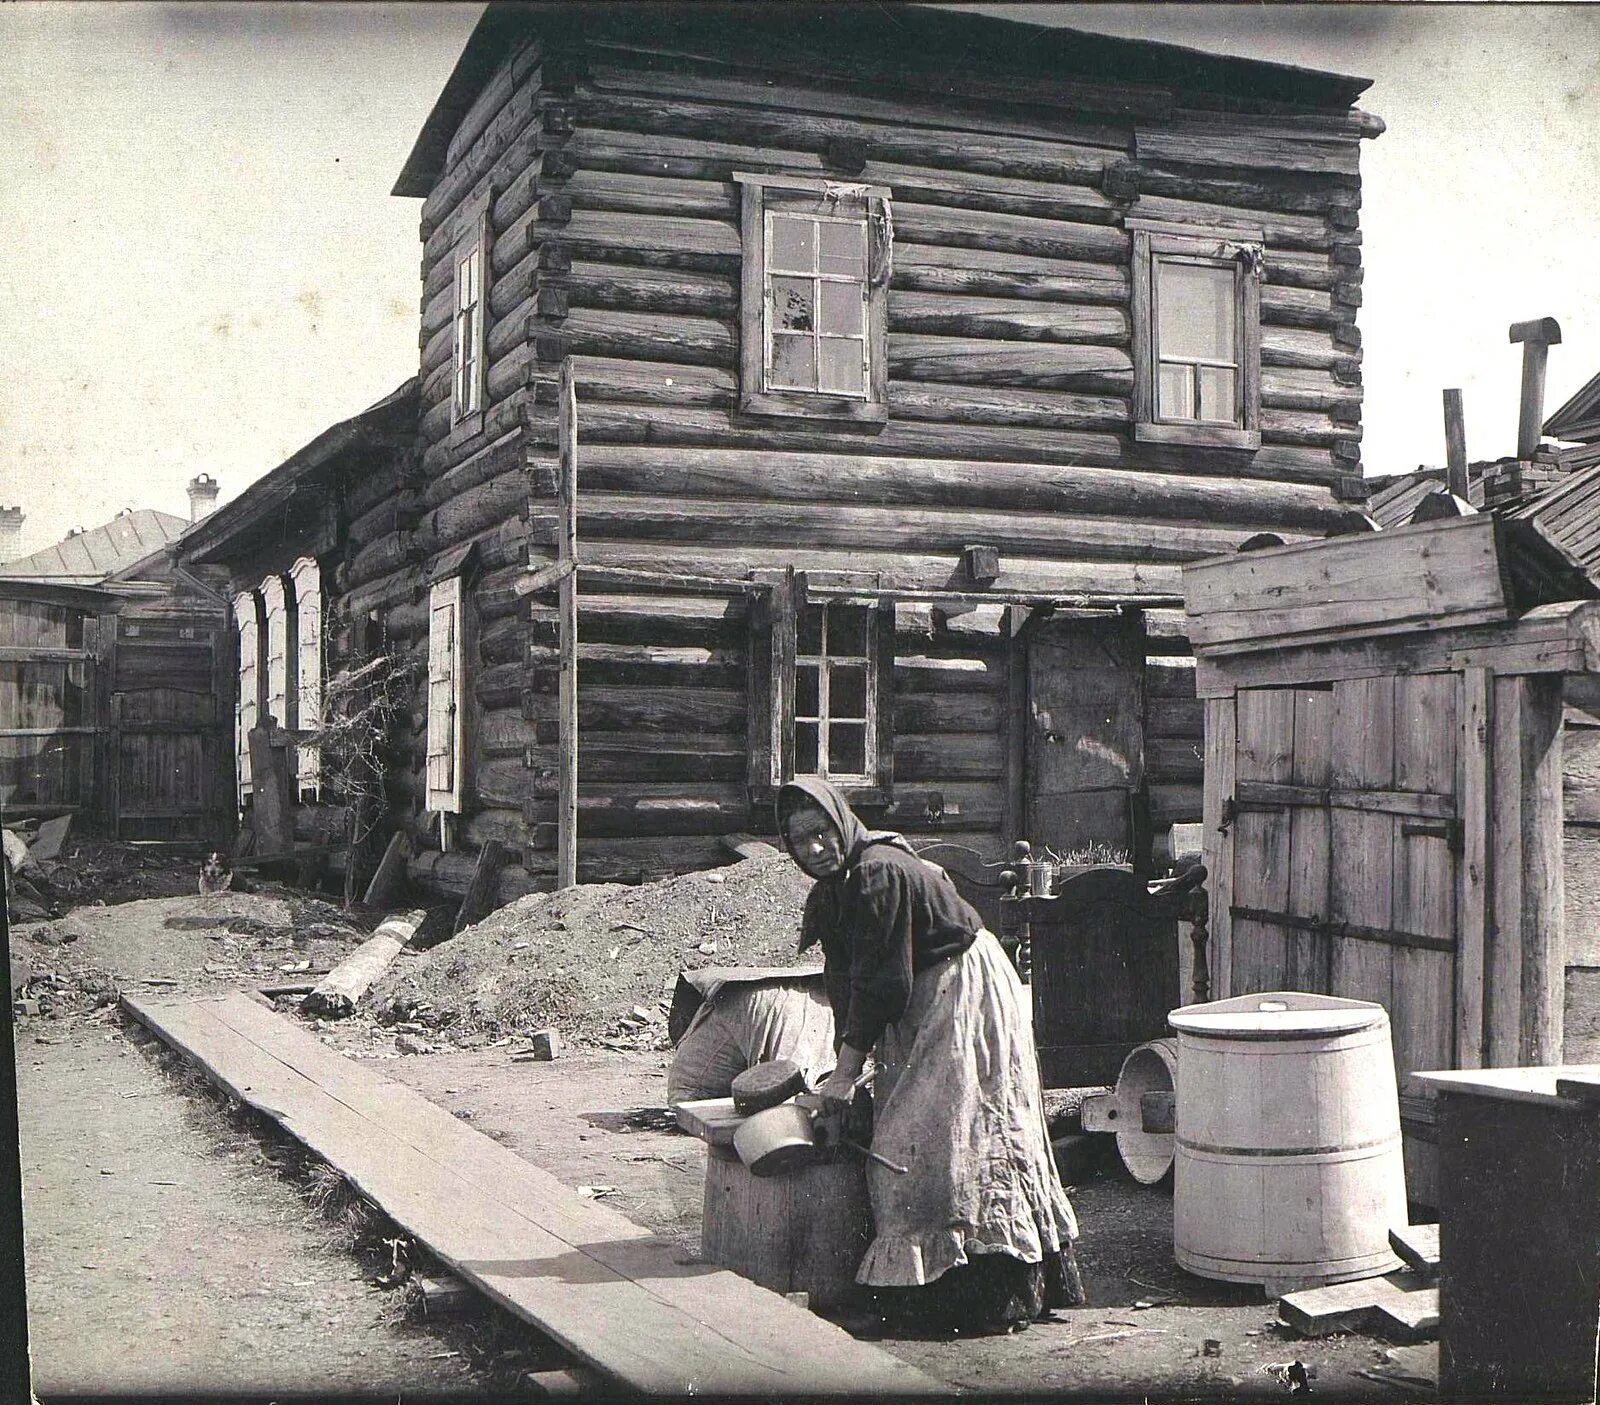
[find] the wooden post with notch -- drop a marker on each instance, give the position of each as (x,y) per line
(1455,445)
(1537,337)
(567,557)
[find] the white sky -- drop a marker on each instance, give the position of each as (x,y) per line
(204,268)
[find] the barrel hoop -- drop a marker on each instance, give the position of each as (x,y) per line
(1210,1150)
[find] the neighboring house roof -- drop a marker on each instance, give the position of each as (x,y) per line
(1392,501)
(1568,515)
(389,421)
(91,557)
(850,33)
(1579,418)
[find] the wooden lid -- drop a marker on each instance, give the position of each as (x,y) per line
(1277,1014)
(765,1085)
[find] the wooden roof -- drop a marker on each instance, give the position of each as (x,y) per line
(1568,516)
(1579,418)
(881,40)
(390,420)
(87,558)
(1391,503)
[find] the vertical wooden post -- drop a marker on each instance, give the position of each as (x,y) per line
(1455,445)
(1525,967)
(1217,846)
(1537,337)
(1475,794)
(1016,723)
(567,555)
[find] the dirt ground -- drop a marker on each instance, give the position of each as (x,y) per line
(166,1251)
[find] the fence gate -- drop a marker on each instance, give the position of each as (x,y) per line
(1346,838)
(167,735)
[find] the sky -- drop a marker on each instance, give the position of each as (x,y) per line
(205,269)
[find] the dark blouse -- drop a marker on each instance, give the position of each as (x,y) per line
(884,919)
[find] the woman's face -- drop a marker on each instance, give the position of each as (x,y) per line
(814,840)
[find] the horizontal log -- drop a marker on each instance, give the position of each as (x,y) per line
(615,756)
(399,586)
(498,686)
(1174,758)
(660,620)
(645,239)
(443,451)
(1291,388)
(1302,195)
(640,666)
(502,641)
(494,592)
(613,516)
(1282,230)
(501,732)
(397,513)
(383,557)
(1020,577)
(507,826)
(928,268)
(684,473)
(715,156)
(954,98)
(507,104)
(451,873)
(1169,677)
(496,783)
(1298,307)
(922,673)
(378,482)
(1175,718)
(956,712)
(1175,802)
(1007,146)
(626,289)
(1219,143)
(1005,319)
(647,336)
(471,511)
(675,711)
(948,757)
(1017,234)
(490,462)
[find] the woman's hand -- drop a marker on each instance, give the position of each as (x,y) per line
(840,1085)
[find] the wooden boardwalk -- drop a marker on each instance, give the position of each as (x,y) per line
(607,1290)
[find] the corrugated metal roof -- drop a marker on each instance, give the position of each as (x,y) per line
(92,556)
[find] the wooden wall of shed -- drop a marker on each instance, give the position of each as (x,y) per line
(614,243)
(1581,852)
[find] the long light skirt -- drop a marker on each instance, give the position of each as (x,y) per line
(957,1102)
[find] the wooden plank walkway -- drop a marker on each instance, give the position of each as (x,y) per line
(607,1290)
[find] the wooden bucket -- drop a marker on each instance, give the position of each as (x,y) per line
(1151,1068)
(1289,1169)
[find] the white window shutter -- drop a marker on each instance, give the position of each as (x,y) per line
(308,670)
(446,701)
(247,708)
(277,680)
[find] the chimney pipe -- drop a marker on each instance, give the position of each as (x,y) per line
(203,491)
(11,517)
(1537,337)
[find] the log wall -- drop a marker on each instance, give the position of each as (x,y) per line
(606,169)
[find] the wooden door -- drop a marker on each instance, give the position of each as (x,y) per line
(48,709)
(1346,839)
(1085,737)
(168,732)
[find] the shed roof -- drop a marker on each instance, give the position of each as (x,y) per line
(1579,418)
(87,558)
(1391,502)
(1568,515)
(390,418)
(907,32)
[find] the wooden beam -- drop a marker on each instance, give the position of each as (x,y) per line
(479,898)
(340,991)
(1537,337)
(390,871)
(1476,800)
(1455,440)
(567,556)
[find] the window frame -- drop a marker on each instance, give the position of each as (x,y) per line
(249,681)
(1211,246)
(469,371)
(774,623)
(763,194)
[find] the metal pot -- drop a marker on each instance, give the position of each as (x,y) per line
(776,1140)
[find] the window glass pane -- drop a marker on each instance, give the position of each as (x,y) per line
(1174,400)
(847,692)
(792,304)
(808,636)
(843,369)
(793,361)
(842,310)
(847,631)
(805,690)
(805,748)
(793,244)
(1217,399)
(843,249)
(847,749)
(1196,309)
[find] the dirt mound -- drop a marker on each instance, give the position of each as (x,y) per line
(582,960)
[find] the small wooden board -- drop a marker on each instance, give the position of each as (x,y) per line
(1398,1304)
(1418,1246)
(622,1300)
(713,1120)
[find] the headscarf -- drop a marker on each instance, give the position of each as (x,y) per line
(822,903)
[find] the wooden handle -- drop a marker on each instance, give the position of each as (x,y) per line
(875,1156)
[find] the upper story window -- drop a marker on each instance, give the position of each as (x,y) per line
(814,298)
(1196,335)
(469,388)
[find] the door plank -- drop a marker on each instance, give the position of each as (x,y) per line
(1312,765)
(1474,905)
(1217,844)
(1261,856)
(1360,889)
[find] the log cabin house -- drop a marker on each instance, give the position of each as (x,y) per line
(897,359)
(114,673)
